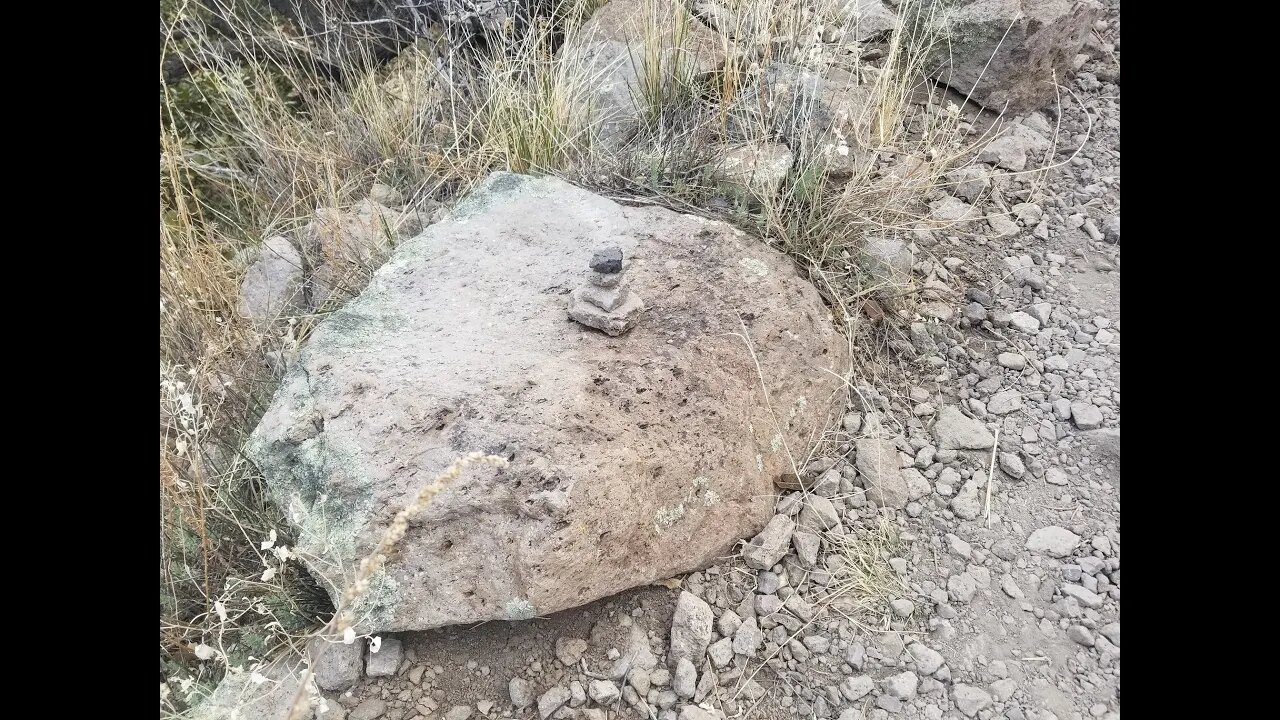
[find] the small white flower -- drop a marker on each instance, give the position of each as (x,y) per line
(164,689)
(221,610)
(257,678)
(266,544)
(268,574)
(283,553)
(204,652)
(375,644)
(349,636)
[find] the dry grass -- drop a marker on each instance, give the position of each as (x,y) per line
(266,132)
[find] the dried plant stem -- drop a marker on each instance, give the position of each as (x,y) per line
(991,472)
(372,563)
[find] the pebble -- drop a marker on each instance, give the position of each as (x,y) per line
(970,700)
(1053,541)
(902,608)
(855,688)
(903,685)
(552,700)
(1086,415)
(569,650)
(1012,361)
(927,660)
(1024,322)
(368,710)
(386,661)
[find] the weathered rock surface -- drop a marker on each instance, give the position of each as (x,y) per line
(632,459)
(758,168)
(1008,53)
(272,286)
(881,472)
(824,117)
(612,45)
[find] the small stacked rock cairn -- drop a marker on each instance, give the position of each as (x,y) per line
(605,303)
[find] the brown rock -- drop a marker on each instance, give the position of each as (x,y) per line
(632,459)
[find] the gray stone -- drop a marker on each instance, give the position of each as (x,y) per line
(927,659)
(968,182)
(1111,631)
(389,376)
(880,467)
(865,19)
(611,48)
(604,692)
(1024,322)
(1080,634)
(728,623)
(830,108)
(569,650)
(1111,229)
(370,709)
(693,712)
(1086,415)
(956,431)
(1082,595)
(857,687)
(1053,541)
(1013,361)
(721,652)
(758,168)
(902,607)
(337,665)
(552,700)
(1005,402)
(819,514)
(967,505)
(386,661)
(587,306)
(272,286)
(766,549)
(952,210)
(1012,465)
(748,637)
(961,588)
(384,194)
(459,712)
(817,644)
(521,691)
(855,655)
(607,261)
(1054,476)
(807,545)
(902,686)
(970,700)
(691,628)
(685,678)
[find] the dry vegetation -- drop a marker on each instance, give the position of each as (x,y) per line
(255,140)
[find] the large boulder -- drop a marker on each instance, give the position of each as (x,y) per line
(1007,54)
(632,459)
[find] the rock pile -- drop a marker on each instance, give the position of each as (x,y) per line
(606,302)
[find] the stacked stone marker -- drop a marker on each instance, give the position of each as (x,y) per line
(606,303)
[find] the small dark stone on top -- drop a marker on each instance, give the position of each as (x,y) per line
(607,261)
